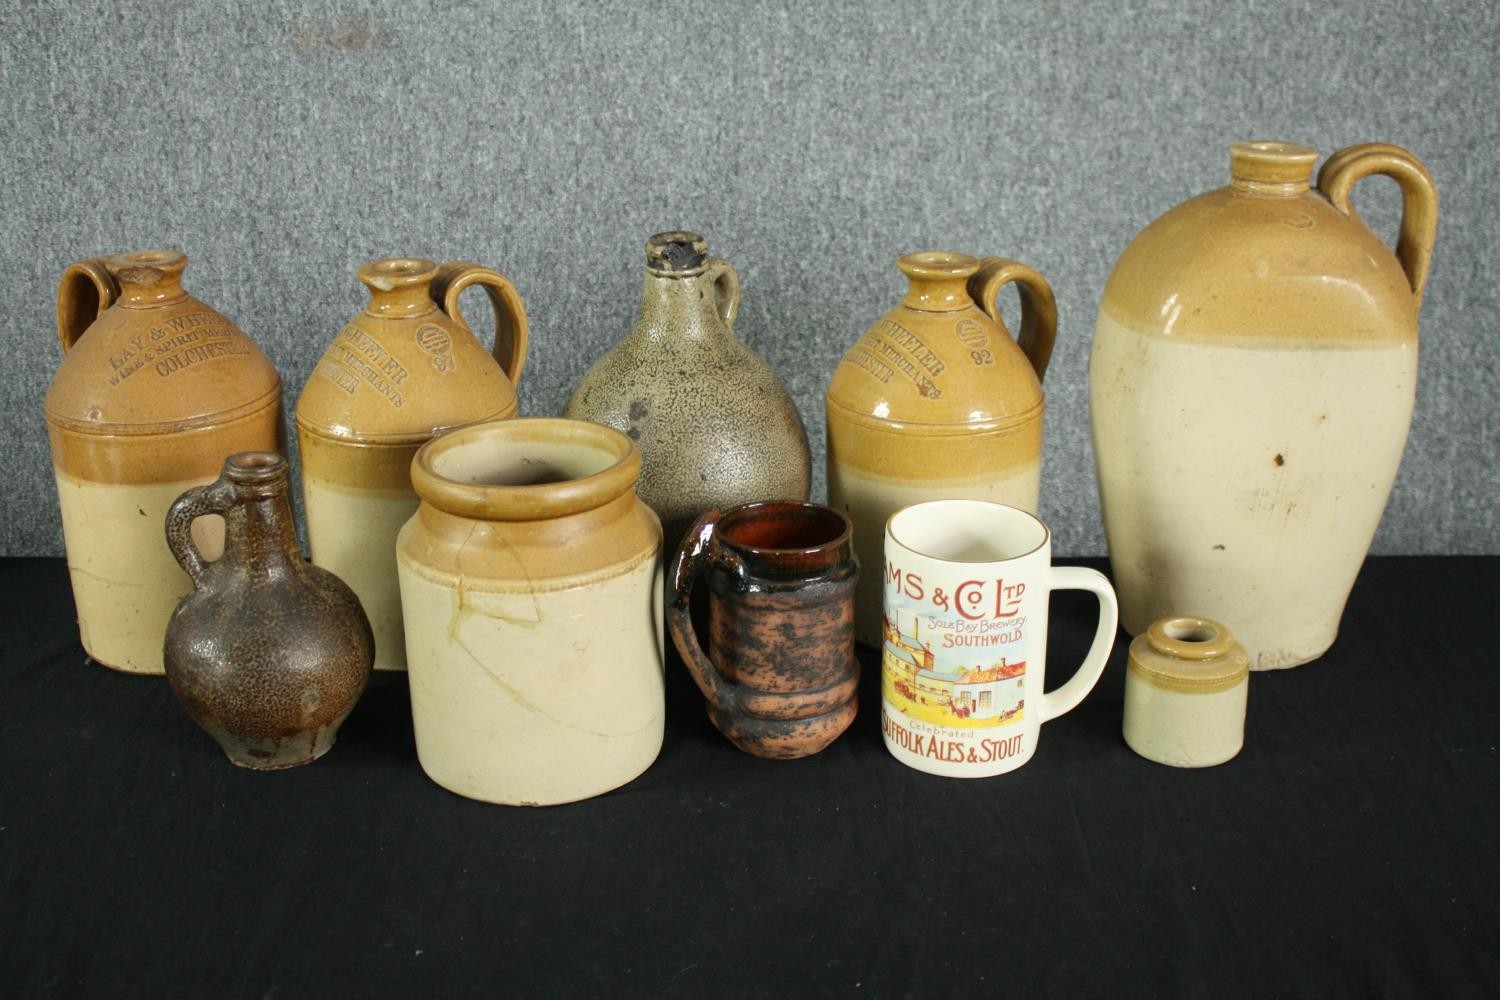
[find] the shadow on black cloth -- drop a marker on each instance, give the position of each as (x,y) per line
(1348,850)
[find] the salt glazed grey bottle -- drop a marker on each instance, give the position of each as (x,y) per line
(269,653)
(715,426)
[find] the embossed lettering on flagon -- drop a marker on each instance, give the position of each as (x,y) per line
(362,356)
(888,347)
(177,344)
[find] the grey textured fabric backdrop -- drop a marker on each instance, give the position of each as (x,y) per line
(280,144)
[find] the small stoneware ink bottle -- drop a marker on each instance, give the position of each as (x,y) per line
(1185,691)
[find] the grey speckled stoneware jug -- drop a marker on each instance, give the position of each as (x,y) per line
(715,426)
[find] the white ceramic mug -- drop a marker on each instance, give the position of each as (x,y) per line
(963,661)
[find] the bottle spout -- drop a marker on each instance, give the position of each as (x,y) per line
(1262,167)
(677,253)
(148,277)
(938,280)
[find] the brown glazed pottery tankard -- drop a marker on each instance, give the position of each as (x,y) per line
(780,675)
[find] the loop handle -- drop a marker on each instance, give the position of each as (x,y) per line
(511,328)
(1419,200)
(215,498)
(1038,306)
(698,553)
(85,291)
(726,288)
(1067,697)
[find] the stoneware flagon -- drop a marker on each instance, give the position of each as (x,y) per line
(154,390)
(531,587)
(1252,381)
(938,401)
(780,673)
(269,653)
(714,424)
(406,367)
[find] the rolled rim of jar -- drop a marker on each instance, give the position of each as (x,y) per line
(525,469)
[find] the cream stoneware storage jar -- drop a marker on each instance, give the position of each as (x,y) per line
(531,591)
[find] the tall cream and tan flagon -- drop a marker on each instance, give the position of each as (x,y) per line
(406,367)
(531,587)
(938,402)
(154,391)
(1252,381)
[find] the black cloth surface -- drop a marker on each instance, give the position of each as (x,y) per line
(1350,849)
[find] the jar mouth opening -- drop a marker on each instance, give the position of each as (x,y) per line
(677,252)
(1190,638)
(255,466)
(938,264)
(1271,166)
(397,272)
(146,267)
(525,469)
(783,527)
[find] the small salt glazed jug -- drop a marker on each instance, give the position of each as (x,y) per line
(1186,685)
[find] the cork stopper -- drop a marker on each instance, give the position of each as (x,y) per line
(1264,167)
(676,252)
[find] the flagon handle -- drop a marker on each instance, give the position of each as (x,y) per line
(85,291)
(1419,200)
(1067,697)
(511,330)
(215,498)
(699,552)
(1038,305)
(726,288)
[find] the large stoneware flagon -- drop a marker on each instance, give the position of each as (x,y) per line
(1252,381)
(938,401)
(155,389)
(409,365)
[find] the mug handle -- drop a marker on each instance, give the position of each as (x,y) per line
(1038,306)
(86,290)
(215,498)
(698,553)
(726,289)
(511,328)
(1067,697)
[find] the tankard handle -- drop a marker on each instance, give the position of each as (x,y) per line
(215,498)
(511,329)
(1067,697)
(726,288)
(699,552)
(1038,305)
(1419,200)
(84,292)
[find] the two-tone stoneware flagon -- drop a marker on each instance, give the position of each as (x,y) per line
(1252,381)
(405,368)
(779,673)
(938,401)
(269,653)
(154,389)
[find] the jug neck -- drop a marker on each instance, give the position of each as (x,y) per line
(679,301)
(679,307)
(260,538)
(1275,169)
(148,278)
(938,281)
(399,286)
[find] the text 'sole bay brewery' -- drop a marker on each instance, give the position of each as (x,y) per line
(970,692)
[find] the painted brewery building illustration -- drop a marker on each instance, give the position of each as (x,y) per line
(977,695)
